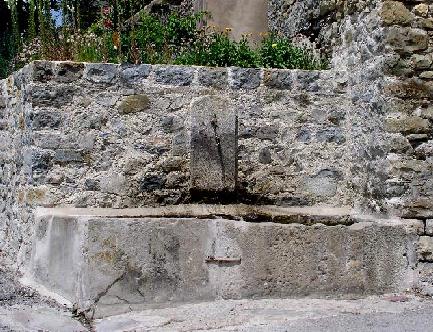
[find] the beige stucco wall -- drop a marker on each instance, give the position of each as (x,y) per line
(243,16)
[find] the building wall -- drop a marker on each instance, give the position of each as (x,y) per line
(242,16)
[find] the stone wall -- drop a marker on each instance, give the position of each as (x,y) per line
(409,95)
(15,170)
(334,26)
(386,49)
(103,135)
(350,34)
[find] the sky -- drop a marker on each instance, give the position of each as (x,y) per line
(57,16)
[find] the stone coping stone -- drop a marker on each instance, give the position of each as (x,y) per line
(234,78)
(107,265)
(249,213)
(305,215)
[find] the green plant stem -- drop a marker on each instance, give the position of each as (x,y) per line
(32,22)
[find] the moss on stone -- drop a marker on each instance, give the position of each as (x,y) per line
(134,104)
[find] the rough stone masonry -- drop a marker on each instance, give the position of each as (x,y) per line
(123,136)
(387,46)
(104,135)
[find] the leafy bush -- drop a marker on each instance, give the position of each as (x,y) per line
(279,52)
(7,52)
(218,50)
(166,39)
(177,40)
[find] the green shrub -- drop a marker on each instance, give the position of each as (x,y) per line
(218,50)
(279,52)
(177,40)
(159,39)
(7,53)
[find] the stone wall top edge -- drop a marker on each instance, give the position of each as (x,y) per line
(234,78)
(130,65)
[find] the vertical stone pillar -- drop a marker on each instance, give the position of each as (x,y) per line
(214,145)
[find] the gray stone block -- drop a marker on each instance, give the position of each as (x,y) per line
(43,71)
(429,227)
(269,132)
(245,78)
(425,248)
(68,156)
(174,75)
(308,80)
(303,135)
(46,119)
(149,183)
(213,77)
(278,79)
(5,141)
(92,185)
(172,124)
(68,72)
(331,135)
(321,186)
(3,124)
(425,278)
(41,160)
(265,156)
(213,165)
(324,183)
(133,74)
(180,143)
(55,96)
(113,183)
(101,73)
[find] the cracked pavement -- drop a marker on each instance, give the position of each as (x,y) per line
(22,309)
(384,313)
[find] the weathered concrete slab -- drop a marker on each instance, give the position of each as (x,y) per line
(214,145)
(109,265)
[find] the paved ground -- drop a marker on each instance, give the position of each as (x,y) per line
(23,310)
(370,315)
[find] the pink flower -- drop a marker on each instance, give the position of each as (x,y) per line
(106,10)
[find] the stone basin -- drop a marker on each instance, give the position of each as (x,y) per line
(107,261)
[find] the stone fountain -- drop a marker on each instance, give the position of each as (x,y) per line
(181,184)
